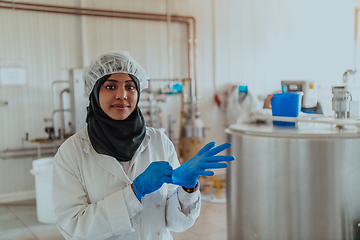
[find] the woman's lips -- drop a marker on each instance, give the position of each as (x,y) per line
(120,106)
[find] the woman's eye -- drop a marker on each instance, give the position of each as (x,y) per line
(130,87)
(109,87)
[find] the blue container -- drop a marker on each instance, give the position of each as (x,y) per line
(286,105)
(243,89)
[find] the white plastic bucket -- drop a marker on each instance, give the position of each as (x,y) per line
(43,172)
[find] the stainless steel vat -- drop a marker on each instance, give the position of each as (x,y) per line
(293,184)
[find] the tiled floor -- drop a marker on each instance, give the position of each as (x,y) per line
(18,222)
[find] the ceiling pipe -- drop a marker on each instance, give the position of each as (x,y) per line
(188,20)
(355,33)
(13,5)
(169,39)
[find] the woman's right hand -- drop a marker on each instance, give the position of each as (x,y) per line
(154,176)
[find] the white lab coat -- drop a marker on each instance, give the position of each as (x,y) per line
(93,199)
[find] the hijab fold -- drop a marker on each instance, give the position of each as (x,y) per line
(116,138)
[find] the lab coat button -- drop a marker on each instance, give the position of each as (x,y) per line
(86,149)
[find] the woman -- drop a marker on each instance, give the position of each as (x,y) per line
(116,178)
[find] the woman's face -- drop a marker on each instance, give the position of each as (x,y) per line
(118,96)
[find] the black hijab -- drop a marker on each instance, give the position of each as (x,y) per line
(116,138)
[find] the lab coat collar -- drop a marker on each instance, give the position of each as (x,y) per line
(109,163)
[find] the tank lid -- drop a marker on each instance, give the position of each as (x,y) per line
(304,130)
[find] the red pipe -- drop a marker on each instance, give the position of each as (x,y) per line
(119,14)
(85,14)
(89,9)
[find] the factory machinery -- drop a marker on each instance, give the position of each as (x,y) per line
(298,182)
(65,120)
(192,129)
(346,110)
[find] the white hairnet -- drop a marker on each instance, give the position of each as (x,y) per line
(113,62)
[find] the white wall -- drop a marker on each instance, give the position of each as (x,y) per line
(49,44)
(257,43)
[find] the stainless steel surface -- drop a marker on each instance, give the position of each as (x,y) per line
(340,101)
(193,128)
(354,109)
(325,128)
(298,187)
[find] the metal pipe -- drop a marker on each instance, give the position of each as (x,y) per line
(165,80)
(52,98)
(52,90)
(72,101)
(60,110)
(59,81)
(85,14)
(62,130)
(190,57)
(355,33)
(34,154)
(214,42)
(171,127)
(13,4)
(195,58)
(169,38)
(53,113)
(151,96)
(27,152)
(190,21)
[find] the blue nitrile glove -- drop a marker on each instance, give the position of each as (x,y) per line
(187,174)
(154,176)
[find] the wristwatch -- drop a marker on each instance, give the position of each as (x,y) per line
(191,189)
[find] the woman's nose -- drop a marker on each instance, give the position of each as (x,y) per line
(121,94)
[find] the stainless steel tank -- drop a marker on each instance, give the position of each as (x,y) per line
(293,184)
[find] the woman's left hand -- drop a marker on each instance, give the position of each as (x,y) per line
(187,174)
